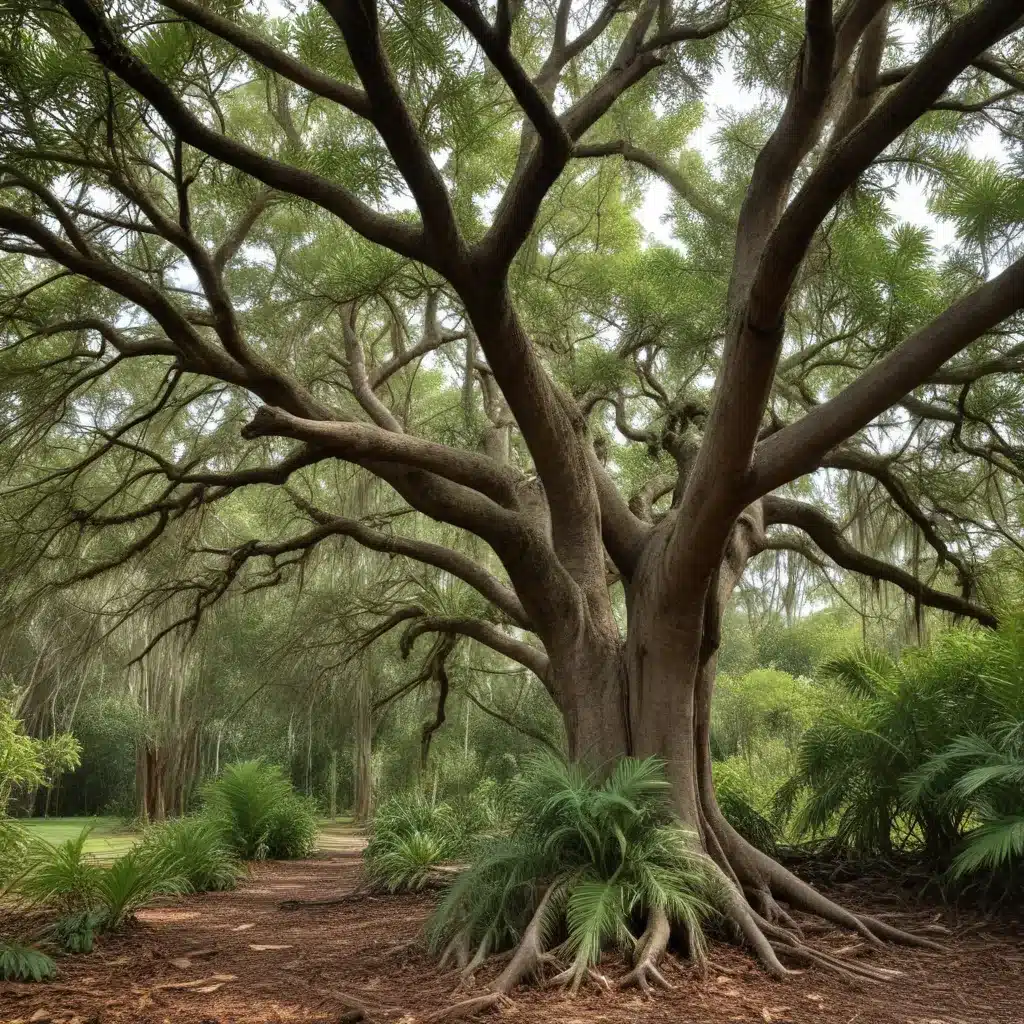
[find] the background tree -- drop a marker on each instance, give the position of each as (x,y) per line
(400,238)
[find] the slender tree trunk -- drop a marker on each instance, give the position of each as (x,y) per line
(363,751)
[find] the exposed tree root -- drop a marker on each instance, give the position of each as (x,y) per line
(527,961)
(760,902)
(649,951)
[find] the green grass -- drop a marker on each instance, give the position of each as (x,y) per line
(108,839)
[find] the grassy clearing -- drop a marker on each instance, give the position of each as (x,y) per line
(110,837)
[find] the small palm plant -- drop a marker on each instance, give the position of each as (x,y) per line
(586,861)
(197,848)
(260,813)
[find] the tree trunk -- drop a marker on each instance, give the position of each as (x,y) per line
(362,808)
(651,696)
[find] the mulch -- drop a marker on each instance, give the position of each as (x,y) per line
(239,958)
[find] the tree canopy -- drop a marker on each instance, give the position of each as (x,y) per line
(278,278)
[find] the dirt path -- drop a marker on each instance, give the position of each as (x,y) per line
(247,961)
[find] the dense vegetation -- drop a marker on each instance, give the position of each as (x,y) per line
(367,443)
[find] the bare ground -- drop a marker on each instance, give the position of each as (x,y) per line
(239,958)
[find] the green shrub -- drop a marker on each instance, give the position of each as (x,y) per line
(89,898)
(14,843)
(63,876)
(410,834)
(76,933)
(763,704)
(134,881)
(591,854)
(19,962)
(197,848)
(260,814)
(923,753)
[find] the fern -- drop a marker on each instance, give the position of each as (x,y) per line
(19,962)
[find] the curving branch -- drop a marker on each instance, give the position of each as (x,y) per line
(114,55)
(272,58)
(363,442)
(798,448)
(829,537)
(453,562)
(672,176)
(485,633)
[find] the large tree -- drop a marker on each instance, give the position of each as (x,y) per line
(399,235)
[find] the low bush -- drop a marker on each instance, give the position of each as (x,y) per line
(921,754)
(585,858)
(62,877)
(14,843)
(411,835)
(88,898)
(134,881)
(260,814)
(197,849)
(19,962)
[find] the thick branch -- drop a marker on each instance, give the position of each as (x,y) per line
(798,448)
(827,535)
(663,169)
(114,55)
(446,559)
(271,57)
(485,633)
(361,442)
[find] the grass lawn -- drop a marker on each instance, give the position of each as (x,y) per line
(109,837)
(107,840)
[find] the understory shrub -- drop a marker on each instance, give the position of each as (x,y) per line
(13,850)
(260,814)
(197,848)
(19,962)
(411,835)
(923,754)
(88,898)
(590,856)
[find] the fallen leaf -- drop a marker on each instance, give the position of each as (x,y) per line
(196,954)
(263,949)
(766,1015)
(40,1015)
(244,927)
(181,962)
(205,989)
(732,992)
(814,997)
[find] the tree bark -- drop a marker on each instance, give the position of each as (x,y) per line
(362,808)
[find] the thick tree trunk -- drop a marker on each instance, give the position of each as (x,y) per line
(650,695)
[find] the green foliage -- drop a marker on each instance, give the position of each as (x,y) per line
(921,753)
(411,835)
(599,852)
(739,792)
(89,897)
(76,933)
(19,962)
(261,815)
(62,876)
(197,849)
(134,881)
(763,703)
(14,842)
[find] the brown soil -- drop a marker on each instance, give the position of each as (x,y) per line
(250,961)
